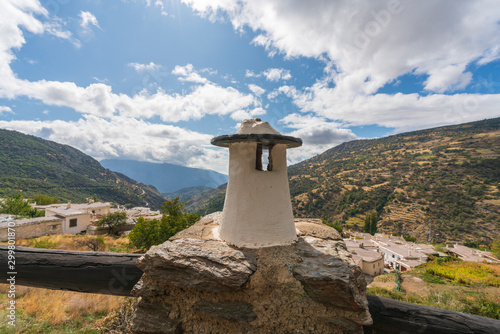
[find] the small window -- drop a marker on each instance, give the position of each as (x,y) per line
(374,265)
(54,227)
(258,158)
(73,222)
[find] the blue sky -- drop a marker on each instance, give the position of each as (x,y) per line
(155,80)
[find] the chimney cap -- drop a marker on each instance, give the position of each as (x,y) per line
(266,139)
(256,131)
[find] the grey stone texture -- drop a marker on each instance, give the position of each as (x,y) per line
(195,283)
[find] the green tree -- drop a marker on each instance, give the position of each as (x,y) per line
(113,221)
(44,199)
(373,223)
(337,225)
(495,248)
(367,225)
(19,206)
(150,232)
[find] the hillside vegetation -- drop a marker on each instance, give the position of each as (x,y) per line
(448,284)
(31,165)
(445,180)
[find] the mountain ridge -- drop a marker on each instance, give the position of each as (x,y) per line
(439,184)
(31,165)
(167,178)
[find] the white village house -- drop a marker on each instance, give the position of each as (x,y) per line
(59,219)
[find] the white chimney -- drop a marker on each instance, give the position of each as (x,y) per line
(257,210)
(68,205)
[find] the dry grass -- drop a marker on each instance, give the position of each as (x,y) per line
(57,307)
(43,310)
(73,242)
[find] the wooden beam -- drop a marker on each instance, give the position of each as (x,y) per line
(116,274)
(392,316)
(94,272)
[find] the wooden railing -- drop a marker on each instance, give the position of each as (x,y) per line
(116,274)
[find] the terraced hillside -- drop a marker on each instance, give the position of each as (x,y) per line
(440,184)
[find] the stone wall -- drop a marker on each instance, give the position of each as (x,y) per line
(195,283)
(34,227)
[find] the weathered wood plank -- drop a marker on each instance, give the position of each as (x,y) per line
(94,272)
(392,316)
(116,274)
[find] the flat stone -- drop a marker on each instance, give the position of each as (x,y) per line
(198,264)
(203,229)
(152,318)
(231,310)
(329,275)
(315,228)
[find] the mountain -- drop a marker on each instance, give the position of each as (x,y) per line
(38,166)
(186,194)
(440,184)
(166,177)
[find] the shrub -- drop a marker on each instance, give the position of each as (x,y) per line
(95,244)
(42,243)
(19,206)
(147,233)
(44,199)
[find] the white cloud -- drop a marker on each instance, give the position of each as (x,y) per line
(317,138)
(271,74)
(251,74)
(88,19)
(257,90)
(372,42)
(5,109)
(206,99)
(298,121)
(159,4)
(367,44)
(449,78)
(276,74)
(128,138)
(98,99)
(242,114)
(188,73)
(151,67)
(400,111)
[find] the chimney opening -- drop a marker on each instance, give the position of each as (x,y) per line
(267,154)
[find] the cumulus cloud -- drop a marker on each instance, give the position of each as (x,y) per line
(298,121)
(449,78)
(205,99)
(403,112)
(373,42)
(5,109)
(257,90)
(368,44)
(317,138)
(128,138)
(88,19)
(151,67)
(98,99)
(271,74)
(276,74)
(242,114)
(188,73)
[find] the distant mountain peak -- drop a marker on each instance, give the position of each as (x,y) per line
(166,177)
